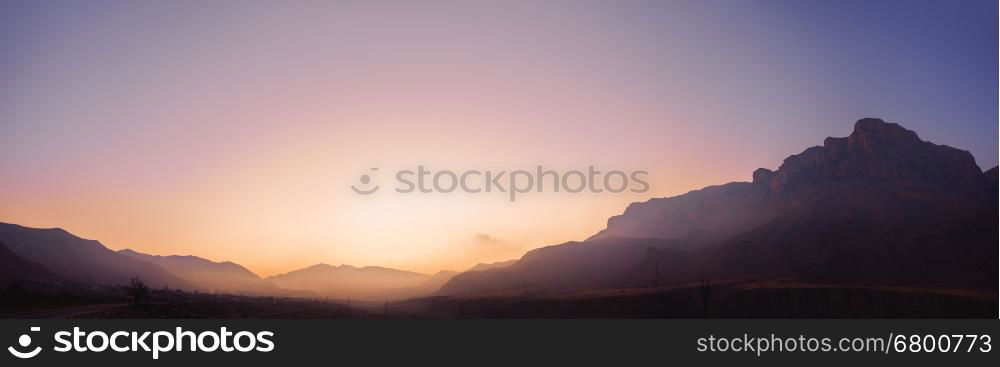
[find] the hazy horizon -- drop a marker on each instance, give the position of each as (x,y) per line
(233,132)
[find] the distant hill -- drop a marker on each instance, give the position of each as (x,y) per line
(346,281)
(435,282)
(222,277)
(81,260)
(488,266)
(13,267)
(879,207)
(429,285)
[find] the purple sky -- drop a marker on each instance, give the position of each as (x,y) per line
(244,122)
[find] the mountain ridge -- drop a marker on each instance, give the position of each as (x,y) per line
(83,260)
(878,206)
(222,276)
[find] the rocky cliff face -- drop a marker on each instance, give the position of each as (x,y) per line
(732,207)
(876,152)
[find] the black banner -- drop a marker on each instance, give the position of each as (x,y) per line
(516,342)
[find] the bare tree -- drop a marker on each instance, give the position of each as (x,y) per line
(138,290)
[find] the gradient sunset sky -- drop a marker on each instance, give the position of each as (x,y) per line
(232,130)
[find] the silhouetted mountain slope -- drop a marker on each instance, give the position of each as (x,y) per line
(225,277)
(877,207)
(733,207)
(370,282)
(431,284)
(488,266)
(83,260)
(596,263)
(436,281)
(13,267)
(882,235)
(992,181)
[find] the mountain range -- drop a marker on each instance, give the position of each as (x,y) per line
(214,277)
(87,261)
(880,207)
(34,251)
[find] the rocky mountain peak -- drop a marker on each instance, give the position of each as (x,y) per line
(876,153)
(880,151)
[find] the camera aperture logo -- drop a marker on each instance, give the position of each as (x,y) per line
(154,342)
(510,183)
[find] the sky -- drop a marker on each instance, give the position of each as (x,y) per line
(233,130)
